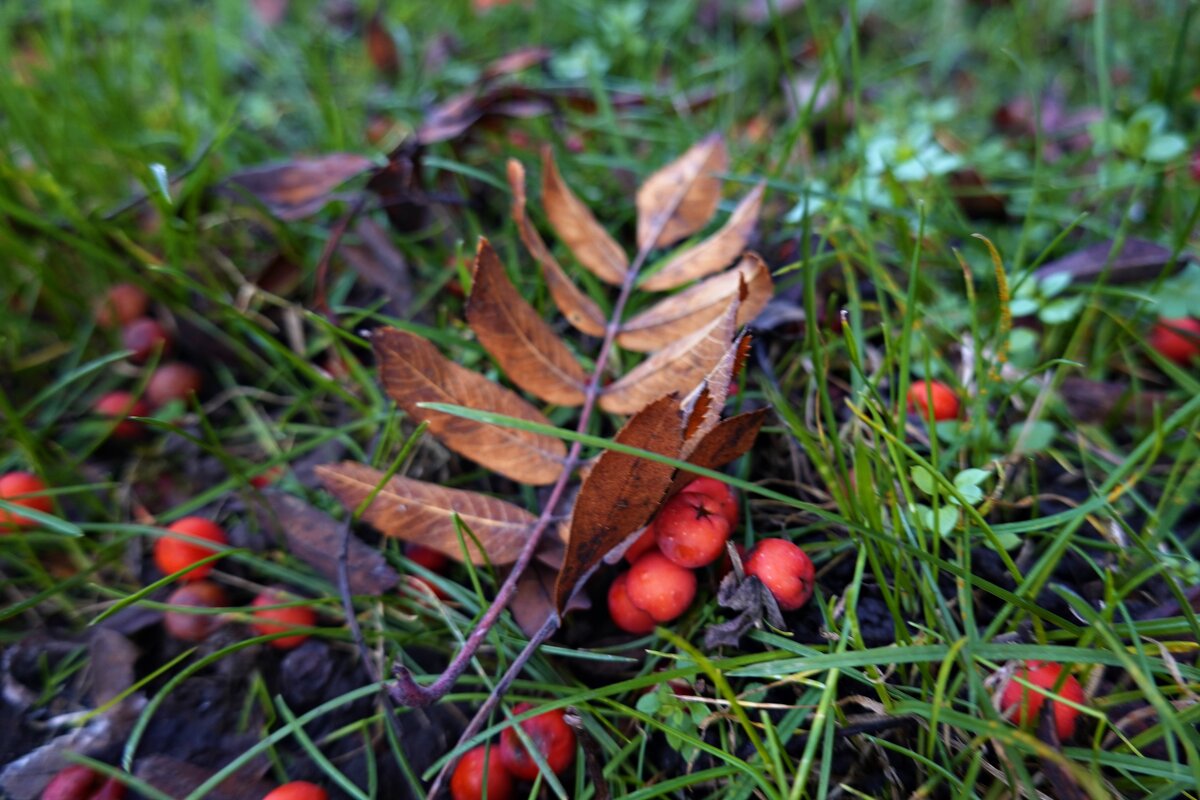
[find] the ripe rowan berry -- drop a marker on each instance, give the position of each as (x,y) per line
(467,782)
(277,620)
(784,569)
(691,530)
(945,401)
(660,587)
(549,732)
(1027,703)
(625,615)
(16,488)
(1177,339)
(172,555)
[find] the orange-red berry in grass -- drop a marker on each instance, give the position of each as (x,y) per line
(172,555)
(660,587)
(468,780)
(298,790)
(549,732)
(144,336)
(16,488)
(122,304)
(691,530)
(173,380)
(784,569)
(944,400)
(427,557)
(121,405)
(625,615)
(278,620)
(1177,339)
(194,627)
(721,492)
(1026,704)
(80,782)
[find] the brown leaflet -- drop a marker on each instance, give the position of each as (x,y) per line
(578,229)
(685,193)
(730,439)
(301,187)
(705,403)
(579,309)
(423,513)
(678,367)
(518,338)
(1137,260)
(381,47)
(534,599)
(413,371)
(316,538)
(680,314)
(621,492)
(715,252)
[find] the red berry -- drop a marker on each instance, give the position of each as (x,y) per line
(111,789)
(721,492)
(1177,339)
(71,783)
(784,569)
(15,487)
(173,381)
(298,790)
(194,627)
(625,615)
(641,545)
(277,620)
(427,557)
(120,405)
(144,336)
(467,783)
(690,530)
(945,401)
(549,732)
(123,303)
(265,479)
(660,587)
(1027,703)
(172,555)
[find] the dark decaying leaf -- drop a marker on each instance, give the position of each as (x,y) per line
(621,492)
(423,513)
(682,196)
(681,314)
(381,47)
(976,199)
(578,229)
(754,602)
(301,187)
(380,264)
(520,59)
(579,310)
(414,372)
(533,602)
(1104,402)
(1137,260)
(729,439)
(679,367)
(517,337)
(714,253)
(316,538)
(452,118)
(176,778)
(400,188)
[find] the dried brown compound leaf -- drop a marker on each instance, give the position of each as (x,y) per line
(577,227)
(682,196)
(704,405)
(680,367)
(730,439)
(414,372)
(423,513)
(680,314)
(524,346)
(621,492)
(298,188)
(714,253)
(580,311)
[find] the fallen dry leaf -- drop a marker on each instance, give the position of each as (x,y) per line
(533,602)
(577,227)
(176,778)
(516,336)
(316,539)
(579,310)
(381,47)
(413,372)
(1137,260)
(621,491)
(301,187)
(682,196)
(520,59)
(714,253)
(423,513)
(704,405)
(729,439)
(680,314)
(679,367)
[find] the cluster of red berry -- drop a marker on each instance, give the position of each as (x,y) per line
(497,767)
(690,532)
(79,782)
(126,306)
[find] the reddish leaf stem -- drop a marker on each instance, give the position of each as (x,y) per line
(406,690)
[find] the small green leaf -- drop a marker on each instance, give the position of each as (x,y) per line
(971,477)
(923,478)
(649,703)
(1164,148)
(1054,284)
(1009,541)
(1062,310)
(947,518)
(1040,437)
